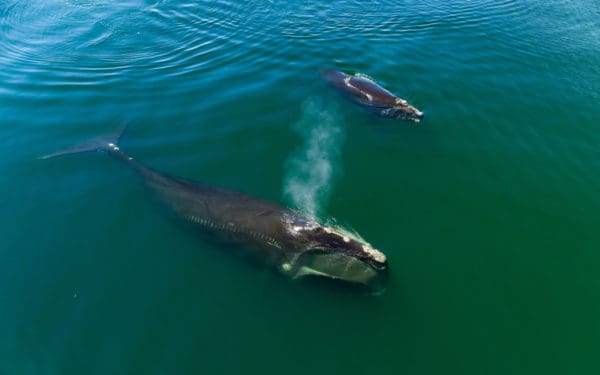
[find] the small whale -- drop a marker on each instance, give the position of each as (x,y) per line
(295,245)
(372,97)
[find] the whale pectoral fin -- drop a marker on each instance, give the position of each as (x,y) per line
(289,266)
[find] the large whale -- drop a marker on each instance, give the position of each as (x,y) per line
(294,244)
(372,97)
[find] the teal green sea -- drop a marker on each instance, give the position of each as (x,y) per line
(488,210)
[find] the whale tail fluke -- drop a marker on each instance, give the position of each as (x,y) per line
(97,144)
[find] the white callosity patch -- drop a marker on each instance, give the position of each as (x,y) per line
(403,102)
(367,248)
(312,168)
(375,254)
(296,227)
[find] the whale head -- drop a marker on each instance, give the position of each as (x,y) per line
(403,111)
(335,253)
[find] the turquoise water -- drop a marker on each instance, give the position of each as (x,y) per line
(488,210)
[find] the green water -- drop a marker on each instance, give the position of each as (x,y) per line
(488,210)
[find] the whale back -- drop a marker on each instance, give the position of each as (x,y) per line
(360,89)
(372,92)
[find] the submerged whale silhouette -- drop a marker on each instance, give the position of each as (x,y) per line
(295,245)
(372,97)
